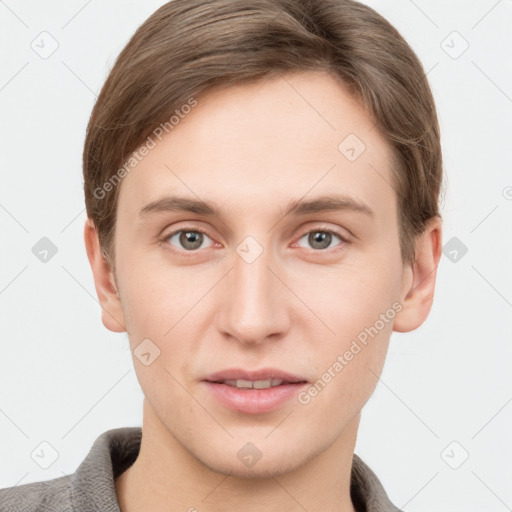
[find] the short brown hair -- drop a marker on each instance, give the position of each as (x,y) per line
(189,47)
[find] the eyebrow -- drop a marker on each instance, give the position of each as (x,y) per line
(333,202)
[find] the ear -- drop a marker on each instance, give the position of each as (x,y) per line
(419,279)
(112,313)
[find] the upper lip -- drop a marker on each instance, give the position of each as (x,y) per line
(252,375)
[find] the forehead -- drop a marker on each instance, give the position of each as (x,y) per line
(262,144)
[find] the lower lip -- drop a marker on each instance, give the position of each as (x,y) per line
(254,401)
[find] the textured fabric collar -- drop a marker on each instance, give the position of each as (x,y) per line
(93,485)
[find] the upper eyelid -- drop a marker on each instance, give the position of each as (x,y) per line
(331,231)
(188,228)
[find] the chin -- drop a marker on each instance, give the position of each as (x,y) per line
(245,460)
(262,470)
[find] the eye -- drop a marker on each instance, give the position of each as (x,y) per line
(187,239)
(192,239)
(320,239)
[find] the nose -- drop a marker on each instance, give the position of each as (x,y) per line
(255,302)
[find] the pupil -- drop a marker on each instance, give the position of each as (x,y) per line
(191,239)
(321,238)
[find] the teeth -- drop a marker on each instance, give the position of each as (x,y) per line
(257,384)
(240,383)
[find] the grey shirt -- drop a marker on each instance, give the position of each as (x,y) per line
(92,488)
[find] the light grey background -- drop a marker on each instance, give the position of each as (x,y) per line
(65,379)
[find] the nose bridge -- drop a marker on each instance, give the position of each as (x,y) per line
(253,308)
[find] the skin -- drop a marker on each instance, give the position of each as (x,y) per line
(250,150)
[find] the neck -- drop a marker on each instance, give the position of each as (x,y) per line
(167,477)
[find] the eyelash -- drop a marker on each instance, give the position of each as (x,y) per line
(194,229)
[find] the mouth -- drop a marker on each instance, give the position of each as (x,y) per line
(255,384)
(254,392)
(254,379)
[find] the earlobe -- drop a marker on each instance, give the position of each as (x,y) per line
(420,278)
(108,296)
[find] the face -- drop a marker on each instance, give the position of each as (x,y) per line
(291,264)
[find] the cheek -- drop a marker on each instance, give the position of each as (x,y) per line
(158,307)
(359,306)
(349,365)
(355,298)
(168,306)
(155,295)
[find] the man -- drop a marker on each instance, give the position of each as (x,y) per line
(261,182)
